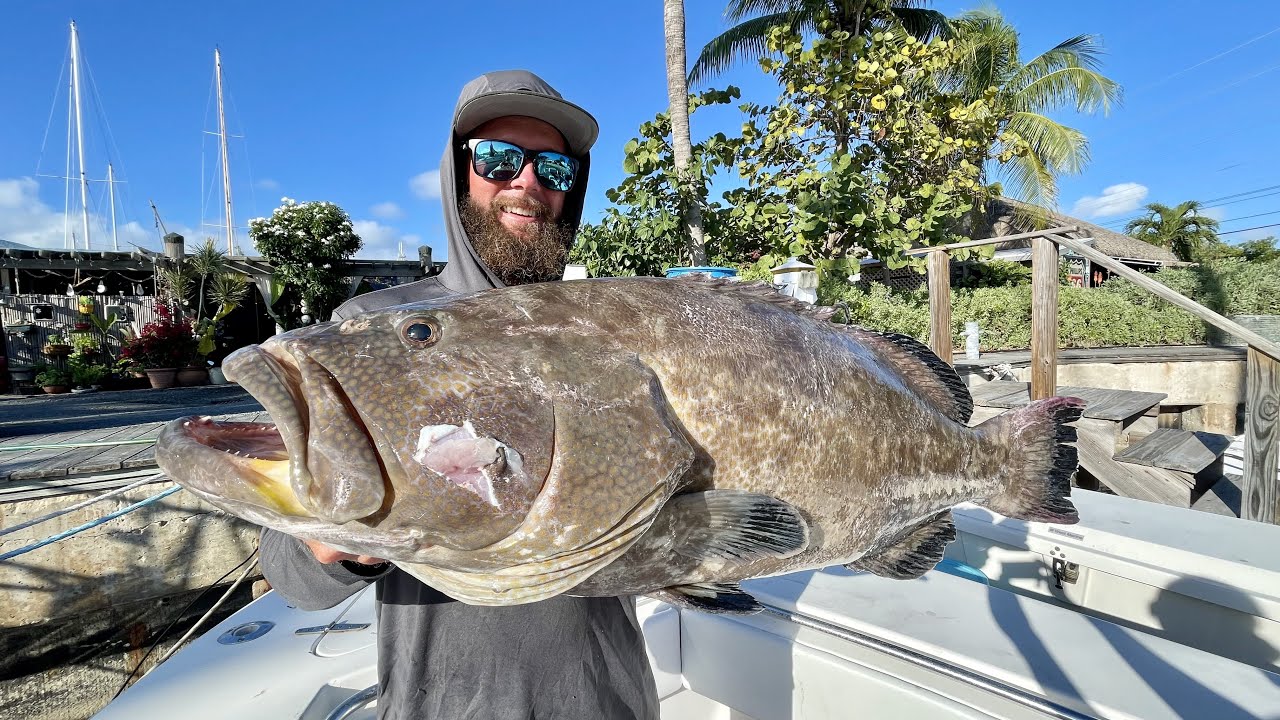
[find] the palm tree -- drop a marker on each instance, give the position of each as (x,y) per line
(1182,228)
(747,39)
(681,144)
(1064,76)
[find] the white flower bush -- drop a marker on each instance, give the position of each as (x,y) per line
(307,245)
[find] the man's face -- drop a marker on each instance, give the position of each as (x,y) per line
(514,224)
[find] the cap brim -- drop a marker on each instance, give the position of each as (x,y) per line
(579,129)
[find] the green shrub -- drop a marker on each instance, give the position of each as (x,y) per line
(1086,318)
(994,274)
(1230,286)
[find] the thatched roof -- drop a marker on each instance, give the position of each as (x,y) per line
(1006,216)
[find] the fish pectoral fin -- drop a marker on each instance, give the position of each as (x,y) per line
(718,598)
(913,553)
(734,525)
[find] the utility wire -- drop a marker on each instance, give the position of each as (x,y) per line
(1259,227)
(1206,61)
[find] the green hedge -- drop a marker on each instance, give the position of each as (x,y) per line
(1086,318)
(1230,286)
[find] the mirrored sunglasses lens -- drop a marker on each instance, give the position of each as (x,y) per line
(556,171)
(497,160)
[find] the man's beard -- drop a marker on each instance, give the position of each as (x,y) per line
(538,255)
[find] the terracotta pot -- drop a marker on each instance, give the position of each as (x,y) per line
(82,325)
(57,350)
(193,375)
(55,389)
(162,377)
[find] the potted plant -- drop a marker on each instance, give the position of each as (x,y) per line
(57,345)
(54,380)
(85,343)
(84,304)
(162,347)
(211,291)
(85,375)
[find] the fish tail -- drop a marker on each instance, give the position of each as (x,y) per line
(1036,479)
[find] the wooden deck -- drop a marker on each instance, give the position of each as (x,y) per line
(1182,450)
(1100,403)
(43,472)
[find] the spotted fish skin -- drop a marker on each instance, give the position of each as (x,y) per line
(534,442)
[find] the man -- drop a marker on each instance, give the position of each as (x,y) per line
(513,181)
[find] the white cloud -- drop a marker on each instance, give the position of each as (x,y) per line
(426,185)
(267,184)
(26,219)
(382,242)
(1115,200)
(387,211)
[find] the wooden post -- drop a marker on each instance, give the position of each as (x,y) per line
(940,304)
(1261,491)
(1044,318)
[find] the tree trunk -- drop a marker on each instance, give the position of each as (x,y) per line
(681,145)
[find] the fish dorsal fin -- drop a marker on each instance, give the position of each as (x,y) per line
(913,552)
(927,374)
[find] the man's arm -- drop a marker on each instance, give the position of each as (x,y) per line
(293,570)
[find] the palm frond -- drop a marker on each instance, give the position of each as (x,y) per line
(923,24)
(1031,181)
(1065,76)
(744,41)
(1087,90)
(1061,149)
(739,9)
(990,48)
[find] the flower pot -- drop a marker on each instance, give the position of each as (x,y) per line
(193,375)
(82,325)
(162,377)
(216,377)
(57,350)
(55,389)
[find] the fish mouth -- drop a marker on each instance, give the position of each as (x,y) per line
(231,464)
(333,466)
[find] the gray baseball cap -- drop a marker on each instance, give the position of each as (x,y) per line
(520,92)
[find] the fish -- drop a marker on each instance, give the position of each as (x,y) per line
(618,436)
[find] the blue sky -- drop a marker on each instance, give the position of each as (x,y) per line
(350,102)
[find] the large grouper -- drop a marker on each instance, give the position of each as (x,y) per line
(618,436)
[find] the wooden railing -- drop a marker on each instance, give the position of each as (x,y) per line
(1261,490)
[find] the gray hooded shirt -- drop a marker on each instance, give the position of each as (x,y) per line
(566,658)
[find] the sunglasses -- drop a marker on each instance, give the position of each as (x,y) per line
(502,161)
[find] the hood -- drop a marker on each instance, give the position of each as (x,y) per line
(495,94)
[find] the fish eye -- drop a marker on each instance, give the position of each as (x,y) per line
(420,332)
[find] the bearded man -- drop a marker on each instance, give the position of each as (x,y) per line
(513,181)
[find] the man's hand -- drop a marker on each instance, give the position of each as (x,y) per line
(327,555)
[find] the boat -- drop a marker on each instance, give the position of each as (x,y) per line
(1139,611)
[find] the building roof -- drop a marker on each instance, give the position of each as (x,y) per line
(1006,216)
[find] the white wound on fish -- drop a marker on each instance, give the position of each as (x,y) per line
(469,461)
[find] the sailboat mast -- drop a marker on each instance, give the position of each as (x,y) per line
(226,168)
(111,192)
(75,85)
(67,242)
